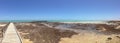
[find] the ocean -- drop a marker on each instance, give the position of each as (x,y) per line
(78,21)
(52,20)
(16,20)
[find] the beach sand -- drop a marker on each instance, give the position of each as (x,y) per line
(91,38)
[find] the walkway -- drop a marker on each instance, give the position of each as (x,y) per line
(11,35)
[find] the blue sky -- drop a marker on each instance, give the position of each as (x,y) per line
(60,9)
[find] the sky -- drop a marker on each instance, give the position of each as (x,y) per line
(59,9)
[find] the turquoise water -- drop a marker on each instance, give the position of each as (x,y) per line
(51,20)
(76,21)
(16,20)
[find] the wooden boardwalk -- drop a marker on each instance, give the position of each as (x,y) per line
(11,35)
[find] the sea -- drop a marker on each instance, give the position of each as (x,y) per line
(53,20)
(16,20)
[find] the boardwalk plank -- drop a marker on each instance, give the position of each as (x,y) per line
(11,35)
